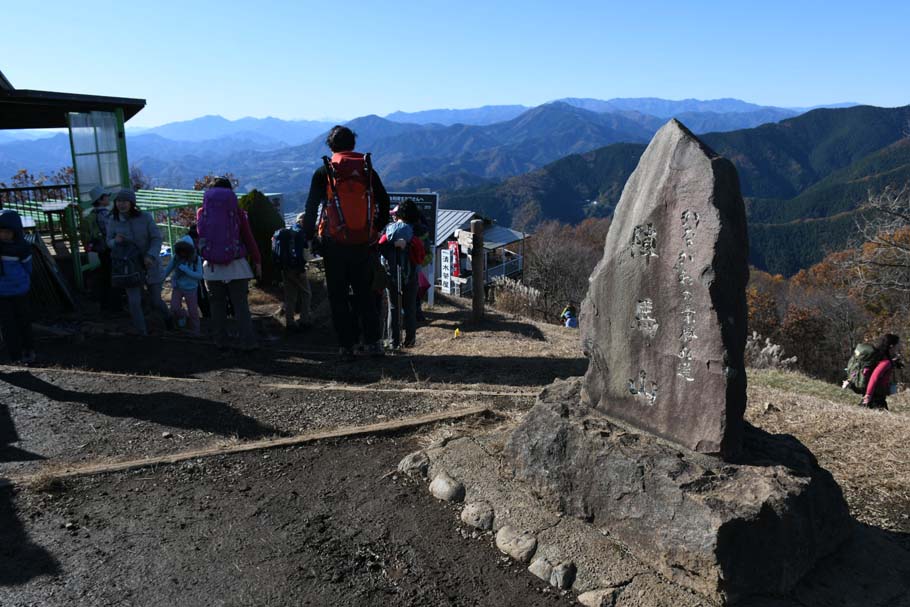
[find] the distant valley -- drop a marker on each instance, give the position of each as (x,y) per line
(564,160)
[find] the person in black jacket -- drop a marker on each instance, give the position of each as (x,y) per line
(348,267)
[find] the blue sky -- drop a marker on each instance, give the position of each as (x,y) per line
(302,59)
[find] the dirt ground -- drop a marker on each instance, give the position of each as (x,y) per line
(325,523)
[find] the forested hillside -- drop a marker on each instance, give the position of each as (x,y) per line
(802,179)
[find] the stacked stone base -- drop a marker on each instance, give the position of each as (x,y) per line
(613,506)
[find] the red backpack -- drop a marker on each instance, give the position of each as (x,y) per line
(349,214)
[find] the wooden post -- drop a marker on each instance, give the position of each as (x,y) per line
(477,268)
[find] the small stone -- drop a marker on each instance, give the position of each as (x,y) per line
(602,597)
(478,515)
(166,435)
(416,463)
(446,488)
(542,568)
(770,408)
(520,546)
(563,575)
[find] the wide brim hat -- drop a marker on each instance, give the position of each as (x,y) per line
(96,193)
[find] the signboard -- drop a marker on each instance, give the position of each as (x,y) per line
(427,203)
(445,265)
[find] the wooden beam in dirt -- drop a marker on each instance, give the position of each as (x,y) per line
(289,441)
(340,388)
(320,387)
(75,371)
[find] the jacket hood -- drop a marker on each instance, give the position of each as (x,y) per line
(187,240)
(10,220)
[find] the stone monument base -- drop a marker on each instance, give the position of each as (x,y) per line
(571,490)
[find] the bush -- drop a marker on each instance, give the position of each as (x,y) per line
(264,221)
(516,298)
(762,354)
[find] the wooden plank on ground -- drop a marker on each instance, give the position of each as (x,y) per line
(288,441)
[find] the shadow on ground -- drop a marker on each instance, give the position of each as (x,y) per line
(165,408)
(20,559)
(140,355)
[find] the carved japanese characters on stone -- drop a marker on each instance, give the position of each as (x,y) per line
(678,320)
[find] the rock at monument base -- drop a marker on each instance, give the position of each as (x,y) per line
(478,515)
(518,545)
(446,488)
(724,530)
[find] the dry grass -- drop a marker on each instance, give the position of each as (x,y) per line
(498,335)
(260,297)
(865,450)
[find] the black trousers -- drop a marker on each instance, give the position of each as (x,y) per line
(16,326)
(351,268)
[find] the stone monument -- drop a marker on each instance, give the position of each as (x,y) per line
(664,321)
(650,450)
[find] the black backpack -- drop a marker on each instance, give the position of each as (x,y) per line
(288,247)
(127,269)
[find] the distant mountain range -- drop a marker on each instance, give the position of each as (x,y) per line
(803,175)
(803,179)
(266,131)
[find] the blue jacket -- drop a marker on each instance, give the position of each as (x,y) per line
(186,275)
(15,258)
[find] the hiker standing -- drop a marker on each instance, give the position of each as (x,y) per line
(15,282)
(94,225)
(404,254)
(879,386)
(187,270)
(133,233)
(225,240)
(355,207)
(289,255)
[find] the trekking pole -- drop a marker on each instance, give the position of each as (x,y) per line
(398,295)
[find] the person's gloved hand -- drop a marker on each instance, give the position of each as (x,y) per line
(867,400)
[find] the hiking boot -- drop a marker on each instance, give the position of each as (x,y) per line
(375,349)
(409,342)
(346,355)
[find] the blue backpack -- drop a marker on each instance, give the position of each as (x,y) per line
(288,247)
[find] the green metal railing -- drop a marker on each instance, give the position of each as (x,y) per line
(173,210)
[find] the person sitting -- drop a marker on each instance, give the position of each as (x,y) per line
(569,317)
(879,386)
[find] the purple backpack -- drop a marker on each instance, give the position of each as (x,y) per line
(219,227)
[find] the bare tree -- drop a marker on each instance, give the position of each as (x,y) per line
(139,179)
(882,261)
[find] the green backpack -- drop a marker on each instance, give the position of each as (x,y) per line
(860,367)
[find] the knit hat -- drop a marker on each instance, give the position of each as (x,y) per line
(126,195)
(96,193)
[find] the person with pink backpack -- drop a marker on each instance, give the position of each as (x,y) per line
(225,241)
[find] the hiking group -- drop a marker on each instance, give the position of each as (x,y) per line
(372,257)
